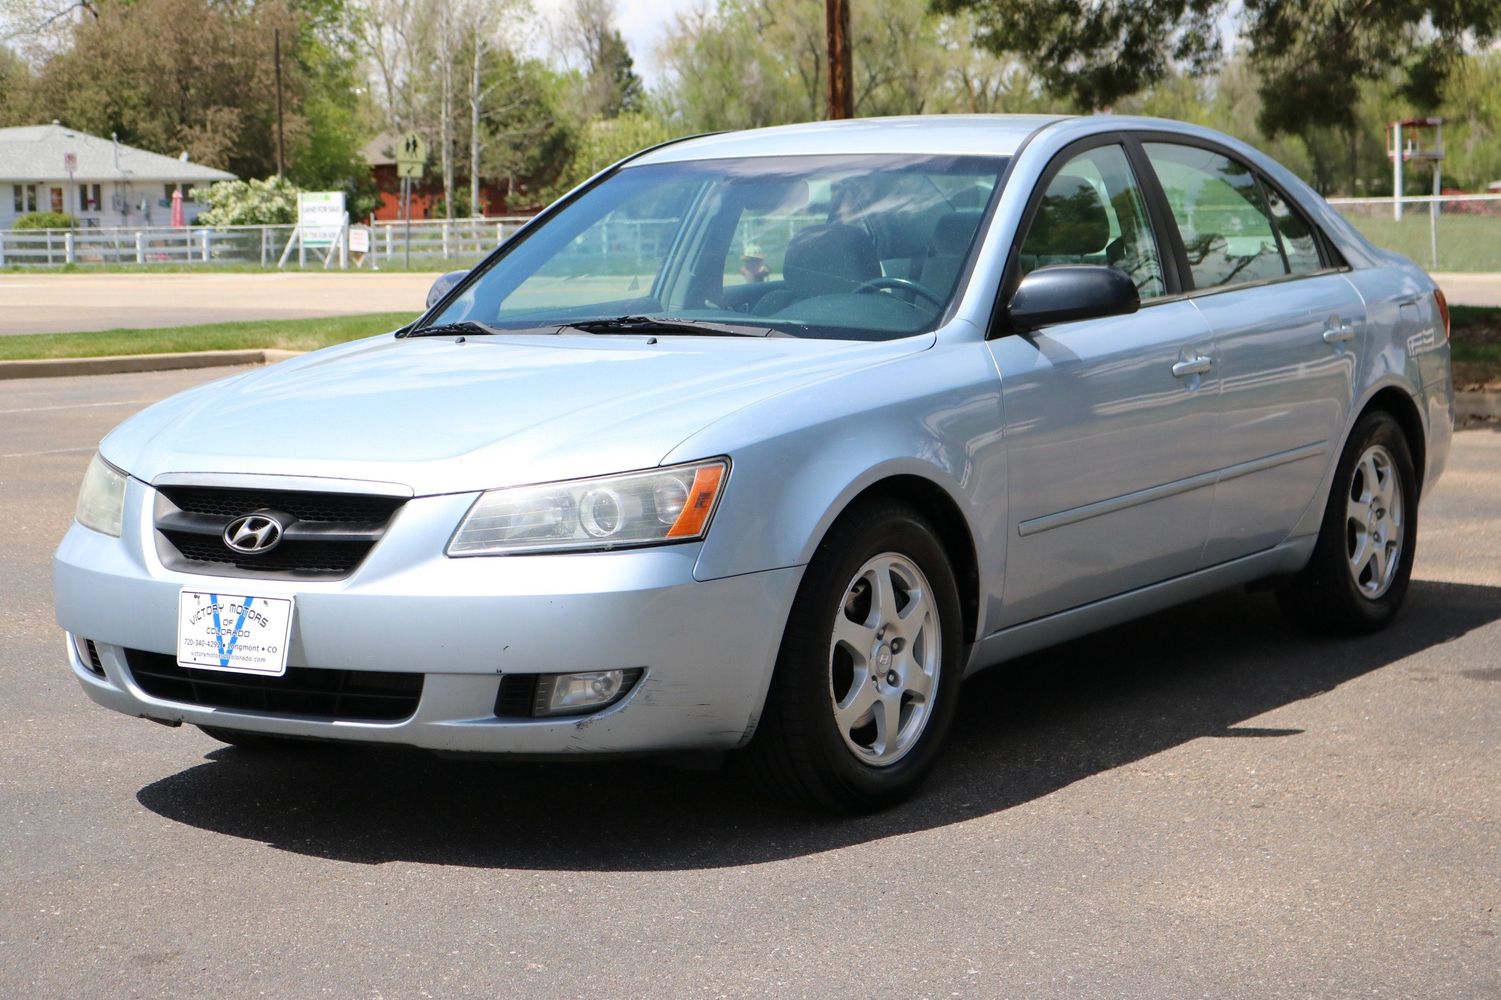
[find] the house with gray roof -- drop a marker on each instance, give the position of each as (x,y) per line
(99,181)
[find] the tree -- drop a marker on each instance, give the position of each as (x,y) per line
(528,139)
(15,77)
(1312,58)
(605,141)
(176,75)
(1095,52)
(750,63)
(610,86)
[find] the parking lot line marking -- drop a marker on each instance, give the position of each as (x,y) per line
(54,451)
(78,406)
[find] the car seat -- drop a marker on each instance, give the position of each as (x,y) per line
(947,247)
(822,260)
(1072,226)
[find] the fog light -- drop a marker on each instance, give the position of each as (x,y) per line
(573,694)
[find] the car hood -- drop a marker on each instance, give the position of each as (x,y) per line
(440,416)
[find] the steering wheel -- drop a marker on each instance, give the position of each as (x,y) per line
(899,284)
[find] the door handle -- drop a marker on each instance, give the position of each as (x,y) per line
(1192,366)
(1339,333)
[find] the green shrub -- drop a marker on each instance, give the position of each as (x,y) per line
(46,220)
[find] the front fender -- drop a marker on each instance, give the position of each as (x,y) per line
(799,459)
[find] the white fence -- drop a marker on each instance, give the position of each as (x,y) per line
(1447,233)
(433,243)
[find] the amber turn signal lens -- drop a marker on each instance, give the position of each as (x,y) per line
(700,505)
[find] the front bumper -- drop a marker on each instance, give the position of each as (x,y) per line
(708,648)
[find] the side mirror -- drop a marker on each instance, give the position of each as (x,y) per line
(442,286)
(1067,292)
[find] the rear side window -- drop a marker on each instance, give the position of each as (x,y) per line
(1297,235)
(1221,214)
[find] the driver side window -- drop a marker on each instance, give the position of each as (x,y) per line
(1093,212)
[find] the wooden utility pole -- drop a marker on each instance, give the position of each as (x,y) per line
(841,69)
(281,163)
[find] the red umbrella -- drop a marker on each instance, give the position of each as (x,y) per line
(177,216)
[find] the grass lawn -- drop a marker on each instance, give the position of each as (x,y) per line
(1465,242)
(1475,339)
(288,335)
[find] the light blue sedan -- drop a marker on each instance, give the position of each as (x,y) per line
(764,441)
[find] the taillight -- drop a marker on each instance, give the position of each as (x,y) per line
(1443,309)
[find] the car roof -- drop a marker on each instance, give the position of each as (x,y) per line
(984,135)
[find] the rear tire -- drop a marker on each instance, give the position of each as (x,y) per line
(1356,579)
(868,675)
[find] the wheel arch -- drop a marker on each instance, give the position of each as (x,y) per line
(935,504)
(1391,397)
(1403,408)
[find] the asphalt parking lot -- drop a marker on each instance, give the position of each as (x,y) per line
(58,303)
(1201,804)
(61,303)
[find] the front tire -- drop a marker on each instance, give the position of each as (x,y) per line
(1357,577)
(868,675)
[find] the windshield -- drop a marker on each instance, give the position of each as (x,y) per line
(850,247)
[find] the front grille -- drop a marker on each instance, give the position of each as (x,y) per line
(304,692)
(325,535)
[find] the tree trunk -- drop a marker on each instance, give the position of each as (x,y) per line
(445,102)
(475,96)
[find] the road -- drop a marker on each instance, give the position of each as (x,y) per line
(1202,804)
(61,303)
(58,303)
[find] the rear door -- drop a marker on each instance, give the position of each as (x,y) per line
(1286,326)
(1109,423)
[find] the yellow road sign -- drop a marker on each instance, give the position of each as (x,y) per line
(411,155)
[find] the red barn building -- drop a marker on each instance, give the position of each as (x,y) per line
(427,193)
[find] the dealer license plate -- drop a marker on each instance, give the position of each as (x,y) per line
(236,632)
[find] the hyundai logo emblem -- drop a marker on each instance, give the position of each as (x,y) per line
(253,534)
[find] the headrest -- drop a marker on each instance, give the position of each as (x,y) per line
(1071,221)
(953,233)
(826,260)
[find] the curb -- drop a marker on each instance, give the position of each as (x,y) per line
(1477,404)
(118,363)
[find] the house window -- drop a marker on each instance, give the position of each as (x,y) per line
(88,197)
(57,199)
(25,197)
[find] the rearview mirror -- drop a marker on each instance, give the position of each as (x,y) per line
(443,285)
(1067,292)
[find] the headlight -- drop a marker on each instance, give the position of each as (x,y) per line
(638,508)
(101,500)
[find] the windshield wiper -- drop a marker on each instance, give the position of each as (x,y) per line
(463,328)
(668,324)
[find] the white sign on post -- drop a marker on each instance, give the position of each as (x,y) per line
(320,217)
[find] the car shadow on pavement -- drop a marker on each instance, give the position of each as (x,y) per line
(1024,730)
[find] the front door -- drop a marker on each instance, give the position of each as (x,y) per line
(1109,423)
